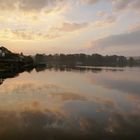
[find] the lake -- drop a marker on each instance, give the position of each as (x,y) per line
(71,104)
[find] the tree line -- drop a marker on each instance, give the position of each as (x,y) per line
(85,60)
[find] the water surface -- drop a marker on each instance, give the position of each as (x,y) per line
(51,104)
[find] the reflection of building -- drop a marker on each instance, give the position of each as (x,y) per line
(7,74)
(1,81)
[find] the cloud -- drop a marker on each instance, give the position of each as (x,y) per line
(38,5)
(68,96)
(27,34)
(126,4)
(121,4)
(88,1)
(30,5)
(70,27)
(104,22)
(124,44)
(8,4)
(134,27)
(27,5)
(102,14)
(124,39)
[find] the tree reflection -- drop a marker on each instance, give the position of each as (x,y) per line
(77,68)
(11,73)
(1,81)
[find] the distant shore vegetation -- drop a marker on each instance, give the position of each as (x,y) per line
(85,60)
(19,61)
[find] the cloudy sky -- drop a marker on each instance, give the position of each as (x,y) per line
(71,26)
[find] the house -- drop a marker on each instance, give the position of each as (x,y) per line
(4,51)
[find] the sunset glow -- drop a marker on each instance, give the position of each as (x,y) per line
(68,26)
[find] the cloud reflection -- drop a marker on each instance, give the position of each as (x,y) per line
(47,107)
(124,81)
(69,96)
(51,125)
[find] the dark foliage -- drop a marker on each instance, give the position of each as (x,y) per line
(85,60)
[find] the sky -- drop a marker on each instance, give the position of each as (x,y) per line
(71,26)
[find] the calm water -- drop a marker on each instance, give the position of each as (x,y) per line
(71,104)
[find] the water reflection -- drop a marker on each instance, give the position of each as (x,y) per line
(80,69)
(56,125)
(67,103)
(126,82)
(1,81)
(13,73)
(5,74)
